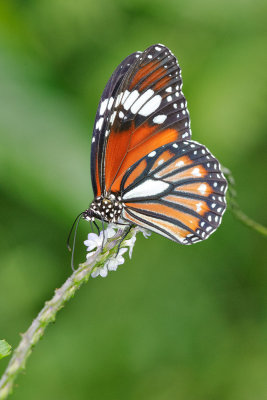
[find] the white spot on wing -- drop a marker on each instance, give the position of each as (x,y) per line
(111,100)
(159,119)
(125,95)
(198,206)
(99,123)
(103,107)
(196,172)
(141,101)
(151,106)
(113,115)
(179,164)
(118,99)
(202,188)
(131,99)
(152,154)
(147,188)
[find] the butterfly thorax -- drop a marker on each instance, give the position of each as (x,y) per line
(107,208)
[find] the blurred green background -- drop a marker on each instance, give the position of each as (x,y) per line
(175,322)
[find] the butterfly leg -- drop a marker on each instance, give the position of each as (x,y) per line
(123,237)
(103,228)
(95,224)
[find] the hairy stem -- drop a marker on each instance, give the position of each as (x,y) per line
(74,282)
(48,313)
(235,209)
(241,216)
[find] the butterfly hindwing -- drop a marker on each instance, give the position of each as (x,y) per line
(177,190)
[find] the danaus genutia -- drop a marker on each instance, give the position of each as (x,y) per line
(145,169)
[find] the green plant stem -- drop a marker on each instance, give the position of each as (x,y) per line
(234,207)
(248,221)
(48,313)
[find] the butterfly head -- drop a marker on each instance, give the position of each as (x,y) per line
(107,208)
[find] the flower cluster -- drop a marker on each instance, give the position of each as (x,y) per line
(95,243)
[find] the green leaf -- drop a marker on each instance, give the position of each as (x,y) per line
(5,349)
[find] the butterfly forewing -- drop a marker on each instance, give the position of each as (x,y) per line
(177,190)
(102,122)
(142,108)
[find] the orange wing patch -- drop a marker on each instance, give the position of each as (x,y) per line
(142,72)
(196,205)
(194,172)
(188,220)
(167,226)
(163,82)
(114,156)
(200,188)
(141,143)
(164,157)
(146,136)
(178,163)
(158,74)
(135,173)
(141,134)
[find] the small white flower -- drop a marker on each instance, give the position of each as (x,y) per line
(113,262)
(144,231)
(130,243)
(110,265)
(94,241)
(103,271)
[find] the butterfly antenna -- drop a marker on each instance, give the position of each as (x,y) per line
(71,229)
(74,241)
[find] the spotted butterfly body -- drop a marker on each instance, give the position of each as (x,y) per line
(145,170)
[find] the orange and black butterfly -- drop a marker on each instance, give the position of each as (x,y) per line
(145,169)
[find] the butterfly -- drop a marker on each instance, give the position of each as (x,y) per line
(145,169)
